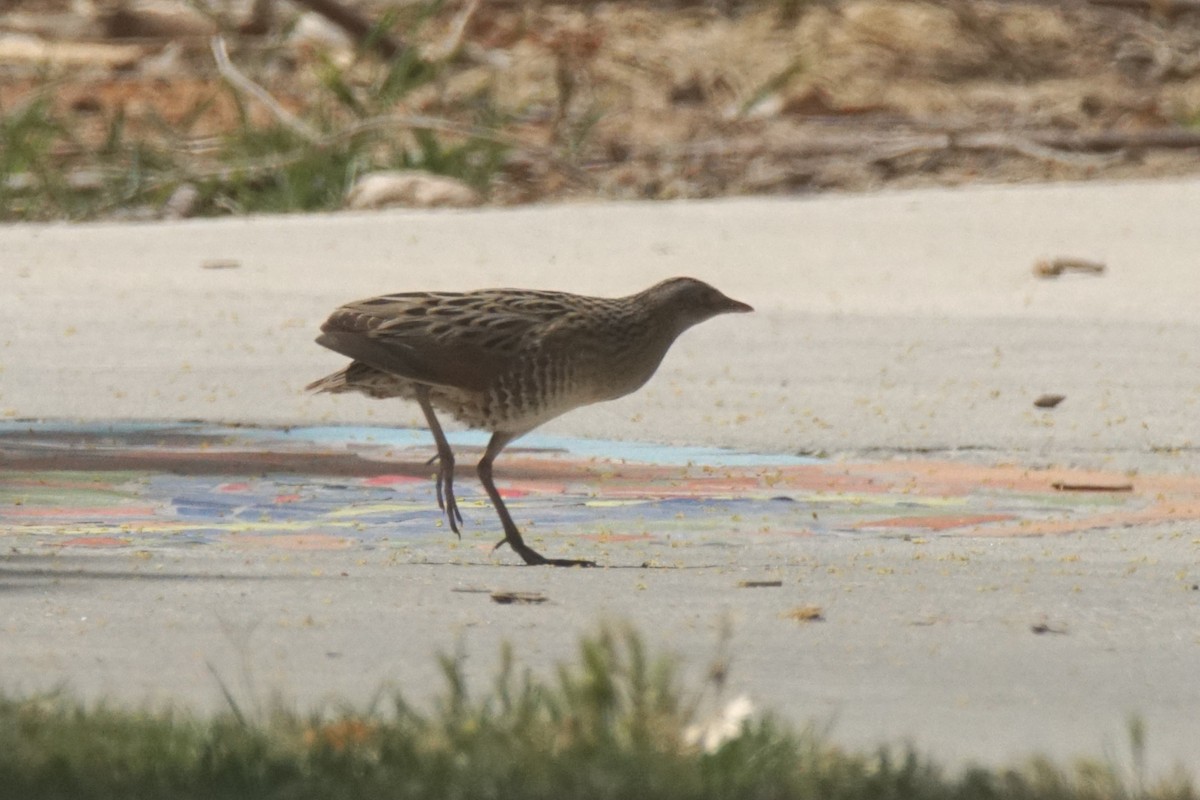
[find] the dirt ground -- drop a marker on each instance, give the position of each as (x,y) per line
(669,100)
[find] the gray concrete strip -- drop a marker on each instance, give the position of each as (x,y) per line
(932,643)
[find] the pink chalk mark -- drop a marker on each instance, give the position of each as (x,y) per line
(1163,512)
(391,480)
(936,523)
(94,541)
(234,487)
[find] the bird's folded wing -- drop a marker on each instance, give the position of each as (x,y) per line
(451,364)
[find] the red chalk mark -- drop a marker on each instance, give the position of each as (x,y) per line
(36,512)
(94,541)
(280,499)
(1167,511)
(722,485)
(936,523)
(234,487)
(511,492)
(391,480)
(951,478)
(537,485)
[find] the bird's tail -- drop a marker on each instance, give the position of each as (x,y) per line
(335,382)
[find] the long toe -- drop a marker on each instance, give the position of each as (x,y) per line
(535,559)
(569,562)
(446,500)
(452,501)
(439,483)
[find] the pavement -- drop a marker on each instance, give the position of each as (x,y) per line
(902,335)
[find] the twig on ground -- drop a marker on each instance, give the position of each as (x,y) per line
(1101,141)
(240,82)
(1031,147)
(1063,147)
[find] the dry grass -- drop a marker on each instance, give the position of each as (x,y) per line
(645,100)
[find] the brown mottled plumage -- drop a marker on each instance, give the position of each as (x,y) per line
(507,360)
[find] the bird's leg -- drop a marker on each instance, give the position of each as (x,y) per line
(445,458)
(511,534)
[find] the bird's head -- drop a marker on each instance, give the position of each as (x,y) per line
(691,302)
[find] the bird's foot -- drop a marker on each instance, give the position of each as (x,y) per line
(445,496)
(535,559)
(566,562)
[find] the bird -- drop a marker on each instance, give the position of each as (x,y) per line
(507,361)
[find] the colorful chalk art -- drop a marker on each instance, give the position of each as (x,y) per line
(145,486)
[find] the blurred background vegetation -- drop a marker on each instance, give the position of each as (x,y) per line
(178,108)
(616,722)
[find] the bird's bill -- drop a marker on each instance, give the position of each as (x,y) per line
(736,306)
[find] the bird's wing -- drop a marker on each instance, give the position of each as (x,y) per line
(437,366)
(458,340)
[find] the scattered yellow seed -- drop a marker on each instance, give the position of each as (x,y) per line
(805,614)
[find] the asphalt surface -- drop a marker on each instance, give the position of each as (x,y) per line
(889,326)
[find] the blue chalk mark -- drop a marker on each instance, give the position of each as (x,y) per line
(603,449)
